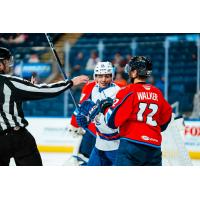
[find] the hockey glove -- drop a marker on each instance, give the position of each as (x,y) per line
(74,131)
(105,104)
(86,107)
(99,107)
(82,120)
(87,112)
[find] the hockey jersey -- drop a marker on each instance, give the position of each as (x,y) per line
(107,139)
(139,111)
(85,95)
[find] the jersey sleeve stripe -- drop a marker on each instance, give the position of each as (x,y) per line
(42,89)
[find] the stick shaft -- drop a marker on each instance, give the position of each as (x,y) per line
(62,70)
(59,65)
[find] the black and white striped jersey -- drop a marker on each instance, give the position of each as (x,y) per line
(15,90)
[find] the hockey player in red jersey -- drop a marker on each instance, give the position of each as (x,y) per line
(141,113)
(86,139)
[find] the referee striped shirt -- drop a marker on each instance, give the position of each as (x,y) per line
(15,90)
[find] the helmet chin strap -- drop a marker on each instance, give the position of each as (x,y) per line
(132,80)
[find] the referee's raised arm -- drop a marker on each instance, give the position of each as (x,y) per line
(25,90)
(15,140)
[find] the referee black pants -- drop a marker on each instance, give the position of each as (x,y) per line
(21,146)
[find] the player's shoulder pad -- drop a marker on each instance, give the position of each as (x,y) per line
(89,85)
(124,91)
(116,85)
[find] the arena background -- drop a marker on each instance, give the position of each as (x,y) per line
(175,71)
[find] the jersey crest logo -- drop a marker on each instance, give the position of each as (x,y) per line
(147,87)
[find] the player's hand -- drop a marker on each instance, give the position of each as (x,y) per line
(80,79)
(86,113)
(82,120)
(105,103)
(74,131)
(33,80)
(90,109)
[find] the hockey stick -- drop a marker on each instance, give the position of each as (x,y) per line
(62,70)
(59,65)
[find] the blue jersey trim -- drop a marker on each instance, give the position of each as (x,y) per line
(144,143)
(108,136)
(103,138)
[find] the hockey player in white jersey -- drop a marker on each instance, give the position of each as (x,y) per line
(107,140)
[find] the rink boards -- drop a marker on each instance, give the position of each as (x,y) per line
(51,135)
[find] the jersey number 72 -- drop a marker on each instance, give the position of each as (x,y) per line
(142,108)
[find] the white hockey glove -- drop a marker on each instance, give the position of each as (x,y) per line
(75,132)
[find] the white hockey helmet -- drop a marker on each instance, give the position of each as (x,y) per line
(104,68)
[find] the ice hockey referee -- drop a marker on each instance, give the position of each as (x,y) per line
(15,140)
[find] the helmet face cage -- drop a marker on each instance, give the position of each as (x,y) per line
(142,64)
(104,68)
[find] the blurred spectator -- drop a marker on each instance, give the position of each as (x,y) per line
(117,60)
(93,60)
(161,84)
(194,56)
(17,70)
(78,65)
(35,79)
(119,63)
(33,58)
(120,68)
(128,57)
(120,79)
(17,38)
(151,80)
